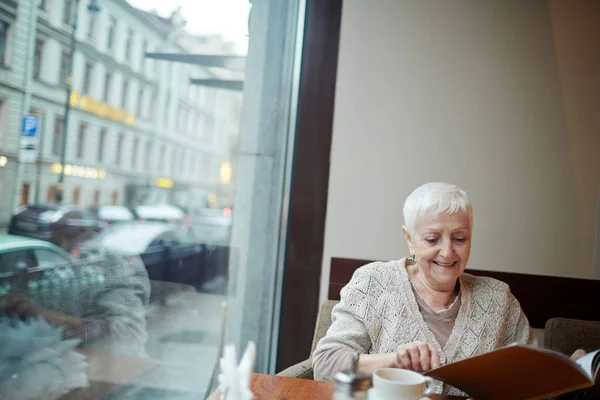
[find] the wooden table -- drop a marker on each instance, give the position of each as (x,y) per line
(269,387)
(106,372)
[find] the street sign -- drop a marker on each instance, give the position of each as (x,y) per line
(30,125)
(28,147)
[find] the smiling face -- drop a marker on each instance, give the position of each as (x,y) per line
(441,244)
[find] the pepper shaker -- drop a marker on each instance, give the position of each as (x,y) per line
(351,384)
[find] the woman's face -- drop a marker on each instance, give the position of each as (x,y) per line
(441,244)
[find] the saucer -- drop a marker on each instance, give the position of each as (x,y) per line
(372,395)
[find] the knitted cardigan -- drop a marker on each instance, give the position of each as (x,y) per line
(378,312)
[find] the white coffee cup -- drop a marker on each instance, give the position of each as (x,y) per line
(400,384)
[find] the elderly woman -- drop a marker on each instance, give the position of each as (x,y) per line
(422,311)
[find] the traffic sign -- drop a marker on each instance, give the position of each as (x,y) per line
(30,125)
(28,146)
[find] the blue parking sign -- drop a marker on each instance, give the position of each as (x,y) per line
(30,125)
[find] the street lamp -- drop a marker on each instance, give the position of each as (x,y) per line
(93,8)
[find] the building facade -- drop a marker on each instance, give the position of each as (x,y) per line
(138,131)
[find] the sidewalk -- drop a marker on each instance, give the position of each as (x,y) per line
(184,336)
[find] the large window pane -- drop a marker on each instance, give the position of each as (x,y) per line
(149,215)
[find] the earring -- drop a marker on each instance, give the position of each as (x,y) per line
(411,259)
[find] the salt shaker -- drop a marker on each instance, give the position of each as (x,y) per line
(350,384)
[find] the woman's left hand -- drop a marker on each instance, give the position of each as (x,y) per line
(578,354)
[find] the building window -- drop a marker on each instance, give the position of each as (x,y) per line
(120,141)
(101,142)
(81,139)
(42,5)
(163,155)
(173,162)
(3,41)
(147,156)
(57,136)
(128,44)
(64,67)
(114,198)
(24,196)
(134,154)
(112,27)
(68,11)
(51,195)
(124,94)
(87,77)
(140,101)
(96,198)
(167,106)
(91,34)
(144,51)
(76,195)
(107,84)
(37,58)
(182,163)
(152,106)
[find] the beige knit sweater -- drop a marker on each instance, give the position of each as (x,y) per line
(378,312)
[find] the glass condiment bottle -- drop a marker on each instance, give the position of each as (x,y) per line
(351,384)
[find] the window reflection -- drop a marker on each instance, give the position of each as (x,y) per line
(119,228)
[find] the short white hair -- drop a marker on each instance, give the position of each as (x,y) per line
(437,197)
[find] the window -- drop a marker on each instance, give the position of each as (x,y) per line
(128,44)
(96,198)
(76,195)
(144,51)
(152,106)
(134,153)
(10,261)
(173,162)
(107,84)
(163,155)
(37,58)
(81,139)
(51,195)
(64,67)
(42,5)
(114,198)
(140,101)
(147,156)
(112,27)
(91,34)
(124,94)
(167,104)
(193,162)
(87,77)
(101,142)
(120,141)
(3,41)
(49,259)
(57,136)
(68,12)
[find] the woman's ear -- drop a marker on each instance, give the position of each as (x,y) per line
(408,240)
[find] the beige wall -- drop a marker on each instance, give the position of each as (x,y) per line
(465,91)
(577,35)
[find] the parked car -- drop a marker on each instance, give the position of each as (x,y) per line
(65,226)
(17,252)
(168,252)
(98,289)
(110,214)
(212,225)
(160,213)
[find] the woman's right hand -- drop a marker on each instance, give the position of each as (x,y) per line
(417,356)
